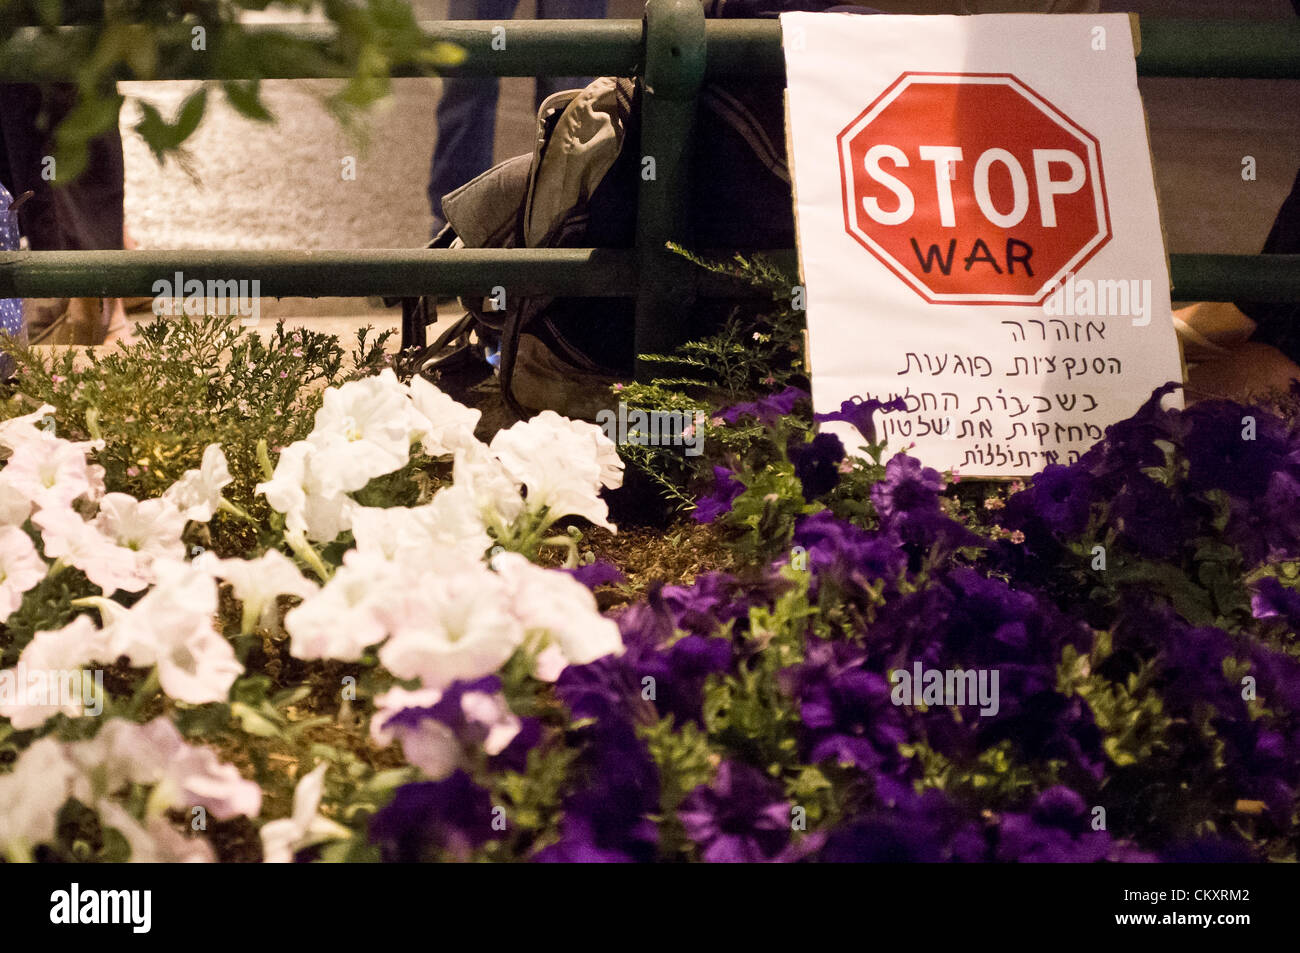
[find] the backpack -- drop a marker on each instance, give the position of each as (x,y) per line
(578,188)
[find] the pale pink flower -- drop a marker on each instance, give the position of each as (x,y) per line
(445,424)
(258,583)
(150,528)
(305,827)
(21,568)
(49,472)
(32,794)
(156,841)
(197,494)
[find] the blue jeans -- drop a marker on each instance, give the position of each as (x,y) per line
(468,109)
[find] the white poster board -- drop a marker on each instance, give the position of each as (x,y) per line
(978,231)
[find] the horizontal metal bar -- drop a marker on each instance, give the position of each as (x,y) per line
(1261,278)
(583,272)
(1241,49)
(1219,48)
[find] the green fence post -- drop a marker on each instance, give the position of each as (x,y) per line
(674,67)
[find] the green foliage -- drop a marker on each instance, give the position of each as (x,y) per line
(747,713)
(758,349)
(365,42)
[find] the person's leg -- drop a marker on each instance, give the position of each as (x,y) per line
(26,146)
(83,214)
(91,208)
(566,10)
(466,116)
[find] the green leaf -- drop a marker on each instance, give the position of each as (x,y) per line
(246,97)
(253,722)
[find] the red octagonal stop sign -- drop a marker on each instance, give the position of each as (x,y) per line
(972,188)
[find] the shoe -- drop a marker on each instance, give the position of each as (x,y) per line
(40,315)
(87,321)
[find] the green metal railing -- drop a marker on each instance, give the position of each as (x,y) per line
(674,49)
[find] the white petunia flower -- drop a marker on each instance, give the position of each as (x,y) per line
(172,627)
(448,424)
(305,827)
(558,613)
(195,777)
(363,430)
(15,505)
(441,535)
(155,754)
(345,616)
(257,583)
(19,430)
(21,568)
(605,451)
(150,528)
(50,472)
(557,464)
(78,643)
(452,627)
(156,841)
(31,796)
(68,537)
(296,490)
(479,473)
(197,494)
(68,649)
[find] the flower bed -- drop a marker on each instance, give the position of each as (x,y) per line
(328,621)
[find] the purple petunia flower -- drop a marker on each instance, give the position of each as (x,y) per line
(913,828)
(847,713)
(816,464)
(907,501)
(725,489)
(1272,600)
(846,555)
(768,410)
(1130,445)
(608,819)
(429,817)
(599,573)
(1056,830)
(860,414)
(617,684)
(1232,448)
(908,487)
(741,818)
(1060,496)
